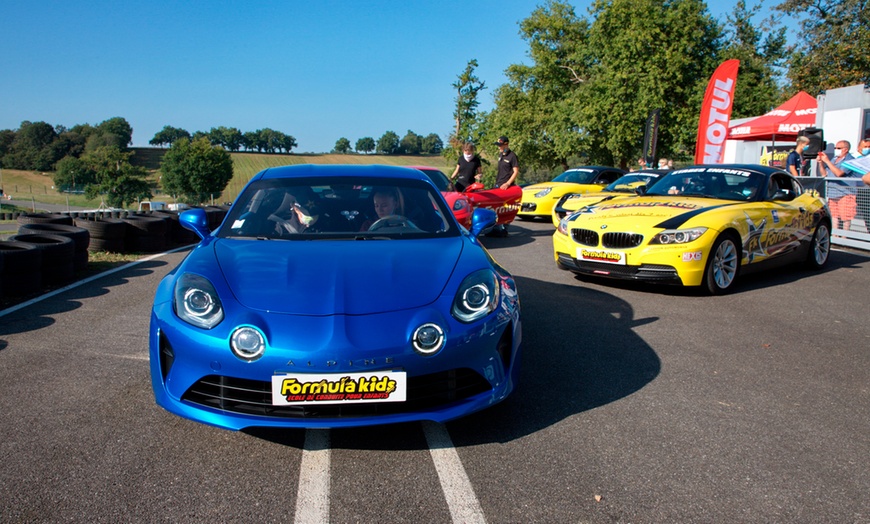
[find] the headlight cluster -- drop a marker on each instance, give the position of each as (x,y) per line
(460,204)
(197,302)
(544,192)
(563,225)
(477,296)
(678,236)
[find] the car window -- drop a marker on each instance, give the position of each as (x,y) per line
(724,183)
(576,176)
(338,207)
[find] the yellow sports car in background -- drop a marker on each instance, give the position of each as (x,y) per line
(539,199)
(698,226)
(624,186)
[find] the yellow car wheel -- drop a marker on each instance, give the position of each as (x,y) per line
(722,266)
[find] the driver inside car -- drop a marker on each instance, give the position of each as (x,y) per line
(387,201)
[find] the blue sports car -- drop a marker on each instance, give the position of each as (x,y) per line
(335,296)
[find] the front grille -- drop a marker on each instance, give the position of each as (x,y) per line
(254,397)
(621,240)
(585,237)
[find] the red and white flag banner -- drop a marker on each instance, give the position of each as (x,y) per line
(716,113)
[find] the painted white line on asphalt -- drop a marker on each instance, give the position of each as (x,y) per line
(460,496)
(85,281)
(312,495)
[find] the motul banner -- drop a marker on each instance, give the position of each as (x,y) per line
(716,114)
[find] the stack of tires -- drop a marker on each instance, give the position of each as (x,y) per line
(176,235)
(58,257)
(80,237)
(106,234)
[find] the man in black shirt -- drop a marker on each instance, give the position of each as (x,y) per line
(468,168)
(508,165)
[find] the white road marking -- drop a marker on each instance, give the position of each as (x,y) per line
(463,503)
(312,494)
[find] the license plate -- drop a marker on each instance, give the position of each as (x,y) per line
(598,255)
(338,388)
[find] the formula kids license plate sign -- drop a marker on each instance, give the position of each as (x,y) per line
(597,255)
(335,388)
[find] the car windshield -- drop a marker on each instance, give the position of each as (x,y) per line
(630,182)
(358,208)
(439,179)
(577,176)
(721,183)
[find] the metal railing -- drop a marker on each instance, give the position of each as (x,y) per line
(854,197)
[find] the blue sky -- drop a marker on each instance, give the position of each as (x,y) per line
(315,70)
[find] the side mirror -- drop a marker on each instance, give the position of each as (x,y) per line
(196,221)
(783,195)
(482,219)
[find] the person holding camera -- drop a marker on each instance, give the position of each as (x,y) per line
(840,194)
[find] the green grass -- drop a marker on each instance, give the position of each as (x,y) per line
(38,186)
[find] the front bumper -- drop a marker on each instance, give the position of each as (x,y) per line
(194,374)
(666,264)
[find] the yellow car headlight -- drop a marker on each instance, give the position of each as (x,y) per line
(678,236)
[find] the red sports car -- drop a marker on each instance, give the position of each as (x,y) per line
(505,202)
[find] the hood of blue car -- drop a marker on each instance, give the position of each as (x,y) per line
(337,277)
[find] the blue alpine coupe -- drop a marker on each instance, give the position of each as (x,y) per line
(335,296)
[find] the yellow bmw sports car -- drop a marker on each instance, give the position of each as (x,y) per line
(699,226)
(539,199)
(627,185)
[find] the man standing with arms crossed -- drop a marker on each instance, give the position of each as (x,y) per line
(508,170)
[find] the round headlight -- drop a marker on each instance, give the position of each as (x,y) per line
(196,301)
(247,343)
(476,298)
(428,339)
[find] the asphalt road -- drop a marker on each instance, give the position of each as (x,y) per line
(637,404)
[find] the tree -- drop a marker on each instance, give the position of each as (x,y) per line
(411,143)
(761,51)
(365,145)
(168,135)
(72,173)
(119,130)
(432,144)
(466,124)
(195,170)
(31,147)
(114,177)
(342,146)
(833,49)
(536,108)
(388,144)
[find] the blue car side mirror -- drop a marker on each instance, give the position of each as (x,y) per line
(196,221)
(482,219)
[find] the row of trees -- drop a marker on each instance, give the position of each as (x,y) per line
(38,146)
(390,144)
(230,138)
(592,81)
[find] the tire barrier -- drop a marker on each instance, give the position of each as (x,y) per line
(107,234)
(45,218)
(22,268)
(145,234)
(80,237)
(58,256)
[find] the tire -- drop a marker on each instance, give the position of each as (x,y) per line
(45,218)
(22,268)
(109,245)
(58,256)
(723,265)
(820,247)
(106,228)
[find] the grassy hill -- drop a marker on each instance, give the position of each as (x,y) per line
(39,187)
